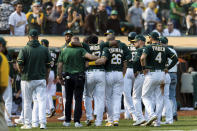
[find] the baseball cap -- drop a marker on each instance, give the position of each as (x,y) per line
(45,42)
(36,4)
(154,35)
(59,3)
(140,37)
(163,40)
(131,36)
(2,41)
(114,12)
(33,32)
(68,32)
(109,32)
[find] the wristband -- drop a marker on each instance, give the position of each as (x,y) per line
(70,45)
(92,63)
(143,68)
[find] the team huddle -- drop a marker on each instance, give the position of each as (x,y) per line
(102,72)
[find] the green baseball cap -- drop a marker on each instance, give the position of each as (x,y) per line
(114,12)
(163,40)
(109,32)
(2,41)
(154,35)
(140,37)
(68,32)
(45,42)
(33,32)
(131,36)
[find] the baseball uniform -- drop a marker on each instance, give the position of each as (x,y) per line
(155,61)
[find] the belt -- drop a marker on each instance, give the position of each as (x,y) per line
(95,70)
(151,70)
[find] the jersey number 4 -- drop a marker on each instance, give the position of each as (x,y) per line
(158,58)
(116,59)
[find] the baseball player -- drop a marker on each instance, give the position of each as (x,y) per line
(51,86)
(139,79)
(4,78)
(128,81)
(95,86)
(113,58)
(167,104)
(68,35)
(153,61)
(34,66)
(7,95)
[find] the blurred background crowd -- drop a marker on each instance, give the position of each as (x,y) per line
(85,17)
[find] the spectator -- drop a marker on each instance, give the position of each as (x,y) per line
(107,7)
(135,16)
(164,10)
(35,18)
(176,12)
(90,22)
(171,31)
(78,7)
(102,19)
(119,6)
(75,22)
(193,29)
(26,5)
(113,23)
(59,19)
(66,3)
(190,18)
(17,21)
(146,2)
(5,11)
(150,17)
(159,28)
(48,24)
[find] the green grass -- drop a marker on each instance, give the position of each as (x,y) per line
(184,123)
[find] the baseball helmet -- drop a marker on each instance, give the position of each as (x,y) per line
(163,40)
(109,32)
(131,36)
(2,41)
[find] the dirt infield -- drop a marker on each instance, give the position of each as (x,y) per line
(180,113)
(57,41)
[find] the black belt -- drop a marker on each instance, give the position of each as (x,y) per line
(94,70)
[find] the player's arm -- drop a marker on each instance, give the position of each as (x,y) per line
(90,57)
(20,61)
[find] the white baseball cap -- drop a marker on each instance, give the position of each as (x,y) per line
(59,3)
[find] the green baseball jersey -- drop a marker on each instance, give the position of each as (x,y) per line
(136,62)
(115,58)
(86,47)
(157,56)
(133,53)
(34,58)
(95,50)
(73,59)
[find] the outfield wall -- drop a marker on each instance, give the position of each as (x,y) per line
(58,41)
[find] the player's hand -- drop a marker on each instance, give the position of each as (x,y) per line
(87,64)
(135,74)
(145,71)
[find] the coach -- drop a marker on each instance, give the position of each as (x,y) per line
(34,65)
(72,59)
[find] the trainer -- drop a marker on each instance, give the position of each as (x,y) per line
(4,76)
(72,59)
(34,65)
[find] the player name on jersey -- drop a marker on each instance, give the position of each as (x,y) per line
(158,48)
(115,50)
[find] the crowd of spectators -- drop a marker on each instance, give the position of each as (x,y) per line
(85,17)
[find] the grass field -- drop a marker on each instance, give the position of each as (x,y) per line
(184,123)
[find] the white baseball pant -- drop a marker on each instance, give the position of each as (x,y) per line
(114,90)
(38,88)
(128,85)
(64,97)
(137,96)
(167,103)
(151,87)
(7,97)
(95,88)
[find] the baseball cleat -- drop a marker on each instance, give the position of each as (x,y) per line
(18,121)
(35,125)
(62,118)
(149,122)
(66,124)
(26,127)
(43,126)
(10,124)
(77,124)
(109,124)
(89,122)
(116,123)
(139,122)
(157,124)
